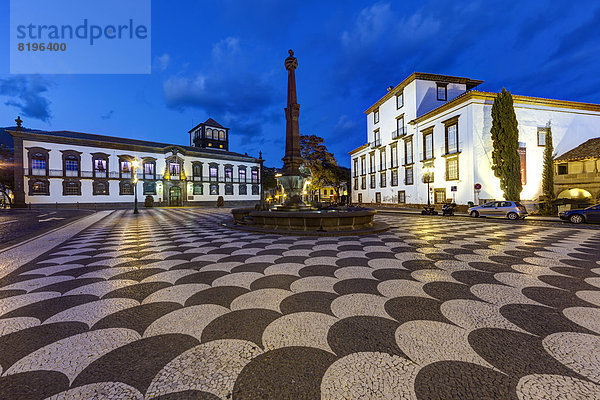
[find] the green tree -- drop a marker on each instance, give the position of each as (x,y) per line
(320,162)
(7,172)
(548,171)
(506,163)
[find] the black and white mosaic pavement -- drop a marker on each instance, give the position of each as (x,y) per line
(170,305)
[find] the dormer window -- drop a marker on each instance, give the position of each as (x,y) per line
(442,91)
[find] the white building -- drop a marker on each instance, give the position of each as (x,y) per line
(81,169)
(439,123)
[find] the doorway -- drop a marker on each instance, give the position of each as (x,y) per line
(175,196)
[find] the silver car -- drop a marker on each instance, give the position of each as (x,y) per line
(505,209)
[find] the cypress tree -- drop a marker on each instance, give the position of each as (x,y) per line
(506,162)
(548,171)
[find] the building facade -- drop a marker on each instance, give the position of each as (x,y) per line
(439,126)
(66,168)
(577,173)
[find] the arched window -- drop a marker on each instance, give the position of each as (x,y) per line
(255,190)
(214,189)
(228,173)
(243,190)
(149,188)
(71,166)
(100,188)
(198,189)
(39,163)
(71,188)
(126,188)
(229,189)
(209,134)
(222,135)
(39,187)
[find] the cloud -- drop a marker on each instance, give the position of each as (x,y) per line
(162,62)
(26,94)
(108,115)
(228,89)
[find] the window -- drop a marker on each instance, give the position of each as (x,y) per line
(378,197)
(408,176)
(399,127)
(382,162)
(71,188)
(401,197)
(214,173)
(395,177)
(38,164)
(428,145)
(242,174)
(372,162)
(71,166)
(452,169)
(382,179)
(442,91)
(376,116)
(363,183)
(355,167)
(214,189)
(229,189)
(360,198)
(149,170)
(355,183)
(408,150)
(362,165)
(126,188)
(222,135)
(451,138)
(229,174)
(372,183)
(197,170)
(149,188)
(125,170)
(174,169)
(439,196)
(209,133)
(255,190)
(198,189)
(100,165)
(324,192)
(39,187)
(254,175)
(563,169)
(100,188)
(376,138)
(243,190)
(541,134)
(400,100)
(394,156)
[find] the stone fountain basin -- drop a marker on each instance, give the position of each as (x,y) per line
(328,220)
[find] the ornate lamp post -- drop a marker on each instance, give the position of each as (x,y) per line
(136,164)
(427,179)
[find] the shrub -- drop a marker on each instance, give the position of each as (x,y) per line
(220,201)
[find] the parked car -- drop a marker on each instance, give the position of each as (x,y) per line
(505,209)
(590,214)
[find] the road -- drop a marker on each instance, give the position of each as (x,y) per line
(170,304)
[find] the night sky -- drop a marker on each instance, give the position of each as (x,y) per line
(224,59)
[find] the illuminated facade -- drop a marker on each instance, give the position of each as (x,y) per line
(439,124)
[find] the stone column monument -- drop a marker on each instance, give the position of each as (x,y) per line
(291,179)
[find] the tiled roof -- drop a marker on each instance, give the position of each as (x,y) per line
(214,123)
(589,149)
(134,142)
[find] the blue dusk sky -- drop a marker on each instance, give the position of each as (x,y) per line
(224,59)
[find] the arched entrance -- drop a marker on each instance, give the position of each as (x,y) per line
(575,194)
(175,196)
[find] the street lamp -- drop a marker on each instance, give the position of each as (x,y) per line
(136,164)
(427,178)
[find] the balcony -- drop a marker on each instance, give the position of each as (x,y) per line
(397,134)
(376,143)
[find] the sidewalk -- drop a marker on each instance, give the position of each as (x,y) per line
(416,211)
